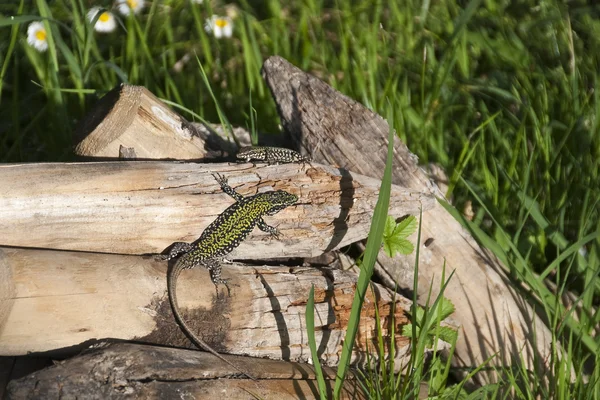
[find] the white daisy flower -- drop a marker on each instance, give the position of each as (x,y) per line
(36,36)
(106,21)
(127,6)
(231,11)
(219,26)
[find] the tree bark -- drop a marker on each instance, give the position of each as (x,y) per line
(493,315)
(121,370)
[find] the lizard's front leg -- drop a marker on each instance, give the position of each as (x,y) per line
(271,230)
(226,188)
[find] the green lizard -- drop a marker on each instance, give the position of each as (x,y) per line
(224,234)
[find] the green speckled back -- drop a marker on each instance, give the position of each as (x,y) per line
(234,224)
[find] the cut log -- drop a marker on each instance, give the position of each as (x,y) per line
(132,117)
(495,318)
(142,207)
(121,370)
(59,301)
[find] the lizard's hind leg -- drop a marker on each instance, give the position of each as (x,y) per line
(214,268)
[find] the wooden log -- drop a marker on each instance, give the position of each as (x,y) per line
(494,316)
(59,301)
(132,117)
(142,207)
(123,370)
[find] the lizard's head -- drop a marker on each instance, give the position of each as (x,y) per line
(279,200)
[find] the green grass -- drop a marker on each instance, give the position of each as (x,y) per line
(503,95)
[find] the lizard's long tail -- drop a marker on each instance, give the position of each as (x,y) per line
(172,276)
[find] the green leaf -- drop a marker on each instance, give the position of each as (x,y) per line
(445,309)
(394,235)
(8,21)
(390,225)
(406,227)
(407,330)
(399,246)
(445,333)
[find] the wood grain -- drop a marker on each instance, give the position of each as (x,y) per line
(495,318)
(142,207)
(132,117)
(65,300)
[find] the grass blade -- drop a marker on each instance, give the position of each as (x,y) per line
(370,256)
(312,344)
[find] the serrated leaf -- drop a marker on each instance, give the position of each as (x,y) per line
(387,248)
(405,247)
(445,333)
(407,330)
(447,308)
(395,245)
(444,309)
(390,225)
(420,315)
(394,235)
(406,227)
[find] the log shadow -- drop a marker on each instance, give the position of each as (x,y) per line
(296,124)
(340,226)
(279,319)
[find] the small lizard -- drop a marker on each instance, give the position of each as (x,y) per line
(224,234)
(271,155)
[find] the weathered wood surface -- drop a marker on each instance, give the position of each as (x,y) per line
(337,130)
(134,207)
(120,370)
(132,117)
(58,299)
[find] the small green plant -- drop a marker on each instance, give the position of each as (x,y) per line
(430,326)
(395,234)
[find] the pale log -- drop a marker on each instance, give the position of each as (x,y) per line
(123,370)
(137,207)
(336,129)
(59,301)
(133,117)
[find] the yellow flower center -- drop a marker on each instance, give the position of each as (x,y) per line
(41,35)
(104,17)
(221,23)
(132,3)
